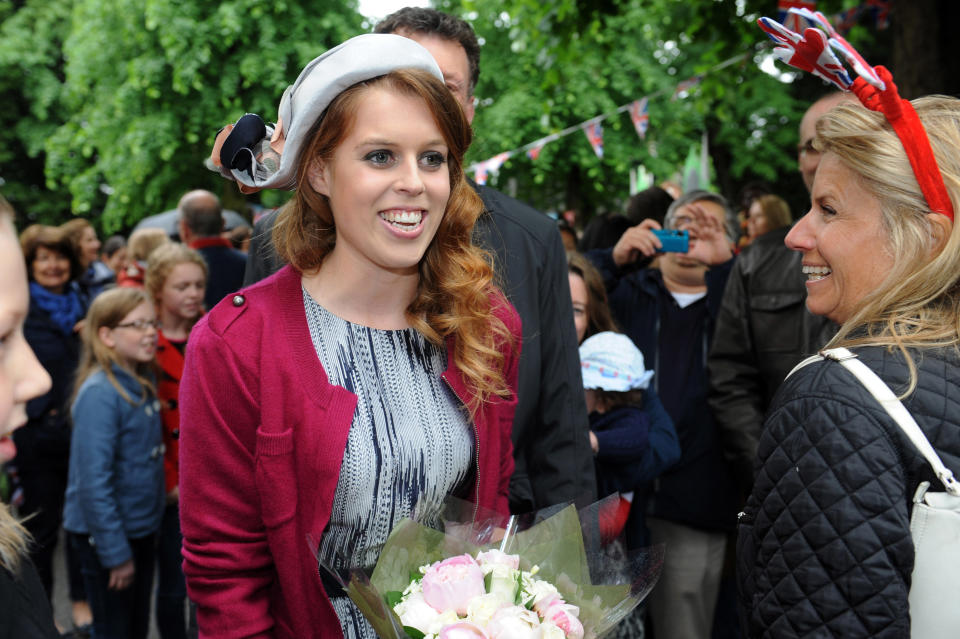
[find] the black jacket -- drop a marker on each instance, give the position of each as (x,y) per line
(698,490)
(554,462)
(824,547)
(763,329)
(45,439)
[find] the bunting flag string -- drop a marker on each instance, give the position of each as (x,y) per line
(639,115)
(481,171)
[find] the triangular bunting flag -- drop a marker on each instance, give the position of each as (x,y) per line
(594,132)
(640,117)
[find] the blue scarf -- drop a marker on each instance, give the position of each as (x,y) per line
(64,309)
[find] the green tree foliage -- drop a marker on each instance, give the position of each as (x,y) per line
(548,66)
(148,83)
(112,105)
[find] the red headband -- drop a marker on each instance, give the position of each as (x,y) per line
(875,89)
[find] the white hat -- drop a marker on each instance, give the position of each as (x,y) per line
(610,361)
(260,156)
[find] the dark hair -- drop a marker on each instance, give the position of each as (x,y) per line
(648,204)
(603,231)
(51,238)
(599,318)
(202,215)
(113,244)
(616,399)
(440,24)
(730,218)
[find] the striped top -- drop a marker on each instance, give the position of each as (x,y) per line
(410,439)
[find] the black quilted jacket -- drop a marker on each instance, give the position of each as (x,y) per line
(824,547)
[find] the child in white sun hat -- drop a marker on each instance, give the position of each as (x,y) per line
(629,451)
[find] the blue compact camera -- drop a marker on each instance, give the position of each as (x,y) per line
(673,241)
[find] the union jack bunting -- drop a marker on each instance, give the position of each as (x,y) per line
(640,117)
(594,132)
(534,152)
(846,20)
(881,12)
(791,20)
(686,85)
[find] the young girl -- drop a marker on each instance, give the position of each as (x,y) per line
(24,608)
(115,496)
(374,372)
(623,419)
(176,280)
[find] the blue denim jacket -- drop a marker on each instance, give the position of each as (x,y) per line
(115,487)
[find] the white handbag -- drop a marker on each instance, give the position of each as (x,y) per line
(934,523)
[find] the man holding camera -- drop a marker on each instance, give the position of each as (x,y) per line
(669,312)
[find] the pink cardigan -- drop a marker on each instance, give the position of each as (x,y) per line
(261,444)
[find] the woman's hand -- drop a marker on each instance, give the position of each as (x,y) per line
(121,576)
(635,241)
(173,496)
(594,444)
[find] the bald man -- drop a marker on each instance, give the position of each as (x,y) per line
(201,222)
(764,328)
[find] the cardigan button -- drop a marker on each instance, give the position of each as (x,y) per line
(238,300)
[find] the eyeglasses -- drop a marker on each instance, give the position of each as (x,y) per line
(140,324)
(806,148)
(680,221)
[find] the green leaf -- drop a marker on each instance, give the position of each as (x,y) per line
(393,597)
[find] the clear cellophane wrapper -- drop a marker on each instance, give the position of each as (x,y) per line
(596,574)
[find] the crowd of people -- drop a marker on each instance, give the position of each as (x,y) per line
(397,334)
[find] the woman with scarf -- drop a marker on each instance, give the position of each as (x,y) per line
(57,306)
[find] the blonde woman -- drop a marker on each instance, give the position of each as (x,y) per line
(376,371)
(25,609)
(824,544)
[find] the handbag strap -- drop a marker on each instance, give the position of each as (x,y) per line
(894,407)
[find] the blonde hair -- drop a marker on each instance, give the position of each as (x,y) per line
(163,260)
(918,303)
(142,243)
(108,309)
(13,537)
(456,295)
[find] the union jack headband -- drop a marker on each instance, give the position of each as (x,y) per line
(814,52)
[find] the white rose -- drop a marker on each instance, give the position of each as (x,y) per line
(550,631)
(503,583)
(496,557)
(481,609)
(416,613)
(536,591)
(447,618)
(514,622)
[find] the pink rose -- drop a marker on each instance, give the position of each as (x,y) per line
(451,584)
(462,630)
(564,616)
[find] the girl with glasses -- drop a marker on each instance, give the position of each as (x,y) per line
(115,489)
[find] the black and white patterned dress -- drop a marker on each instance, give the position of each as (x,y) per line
(410,439)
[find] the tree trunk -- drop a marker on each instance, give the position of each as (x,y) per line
(926,50)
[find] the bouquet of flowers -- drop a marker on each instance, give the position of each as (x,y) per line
(549,575)
(462,597)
